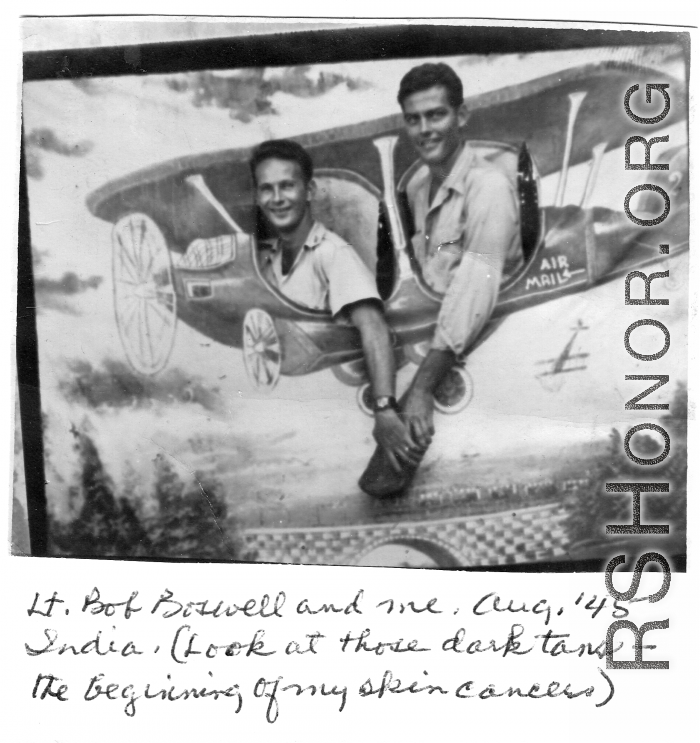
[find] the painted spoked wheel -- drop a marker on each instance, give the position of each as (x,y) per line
(145,304)
(262,353)
(365,399)
(455,391)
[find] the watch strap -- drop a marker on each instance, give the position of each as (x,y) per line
(385,402)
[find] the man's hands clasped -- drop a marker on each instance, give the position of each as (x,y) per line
(394,437)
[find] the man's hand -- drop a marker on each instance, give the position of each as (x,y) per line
(393,436)
(417,405)
(418,414)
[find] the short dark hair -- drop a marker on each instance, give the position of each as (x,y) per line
(283,149)
(429,75)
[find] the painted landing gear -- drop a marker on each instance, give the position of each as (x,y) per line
(262,354)
(365,399)
(352,373)
(452,396)
(455,391)
(144,294)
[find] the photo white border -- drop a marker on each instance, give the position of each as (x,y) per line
(671,699)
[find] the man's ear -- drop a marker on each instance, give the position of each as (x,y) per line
(311,190)
(462,115)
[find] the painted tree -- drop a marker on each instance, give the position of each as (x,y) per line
(591,509)
(105,524)
(191,519)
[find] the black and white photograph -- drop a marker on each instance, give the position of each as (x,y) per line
(352,378)
(362,309)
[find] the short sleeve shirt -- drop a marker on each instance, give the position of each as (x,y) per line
(327,273)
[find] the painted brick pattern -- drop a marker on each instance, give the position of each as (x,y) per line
(528,535)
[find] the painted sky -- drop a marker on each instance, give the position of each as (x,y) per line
(82,135)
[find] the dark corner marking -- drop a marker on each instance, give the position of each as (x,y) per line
(28,377)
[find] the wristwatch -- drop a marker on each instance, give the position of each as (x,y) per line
(385,402)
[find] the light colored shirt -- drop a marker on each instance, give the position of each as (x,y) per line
(467,239)
(327,273)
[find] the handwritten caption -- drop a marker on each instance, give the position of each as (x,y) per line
(191,643)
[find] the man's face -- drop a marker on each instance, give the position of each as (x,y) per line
(433,124)
(282,194)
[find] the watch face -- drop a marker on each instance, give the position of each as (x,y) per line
(384,402)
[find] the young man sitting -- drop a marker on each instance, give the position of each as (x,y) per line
(315,267)
(467,234)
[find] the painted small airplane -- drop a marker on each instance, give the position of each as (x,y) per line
(559,364)
(186,231)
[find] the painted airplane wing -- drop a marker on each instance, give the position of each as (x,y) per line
(561,371)
(535,111)
(565,357)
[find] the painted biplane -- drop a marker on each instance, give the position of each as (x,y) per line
(551,379)
(559,365)
(185,231)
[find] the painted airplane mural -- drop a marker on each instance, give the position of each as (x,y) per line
(185,232)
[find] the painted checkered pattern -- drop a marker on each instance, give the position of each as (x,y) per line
(527,535)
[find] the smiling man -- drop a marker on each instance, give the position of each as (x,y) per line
(464,206)
(465,211)
(316,268)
